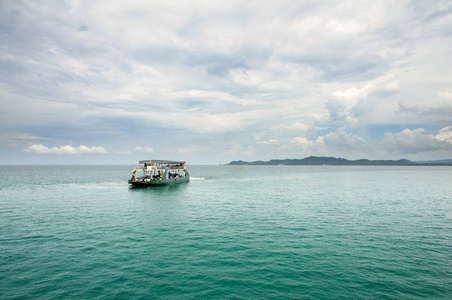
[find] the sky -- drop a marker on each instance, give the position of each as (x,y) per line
(208,82)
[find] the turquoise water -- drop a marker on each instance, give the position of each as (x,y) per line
(244,232)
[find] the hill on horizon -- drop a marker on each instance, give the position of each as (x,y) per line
(320,160)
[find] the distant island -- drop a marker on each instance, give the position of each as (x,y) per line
(333,161)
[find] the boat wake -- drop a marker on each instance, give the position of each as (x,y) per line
(197,178)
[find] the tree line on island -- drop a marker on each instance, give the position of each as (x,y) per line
(318,161)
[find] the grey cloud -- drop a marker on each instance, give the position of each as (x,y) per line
(338,112)
(346,141)
(340,64)
(442,113)
(431,11)
(107,70)
(413,141)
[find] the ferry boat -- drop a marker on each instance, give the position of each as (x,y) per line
(159,172)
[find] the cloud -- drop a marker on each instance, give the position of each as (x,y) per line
(219,74)
(441,112)
(266,142)
(305,143)
(14,138)
(346,141)
(381,85)
(417,140)
(343,104)
(143,150)
(445,134)
(295,126)
(445,95)
(26,137)
(69,150)
(339,142)
(393,145)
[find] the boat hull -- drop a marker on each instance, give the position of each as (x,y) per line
(169,181)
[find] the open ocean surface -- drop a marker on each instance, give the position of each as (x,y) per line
(233,232)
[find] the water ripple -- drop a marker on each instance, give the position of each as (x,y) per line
(233,233)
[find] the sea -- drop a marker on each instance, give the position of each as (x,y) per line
(232,232)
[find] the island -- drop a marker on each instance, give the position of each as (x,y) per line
(333,161)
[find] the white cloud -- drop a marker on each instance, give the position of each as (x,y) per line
(221,71)
(445,95)
(415,143)
(19,139)
(41,149)
(26,136)
(417,140)
(304,142)
(346,105)
(212,96)
(386,83)
(295,126)
(266,142)
(445,134)
(143,149)
(345,140)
